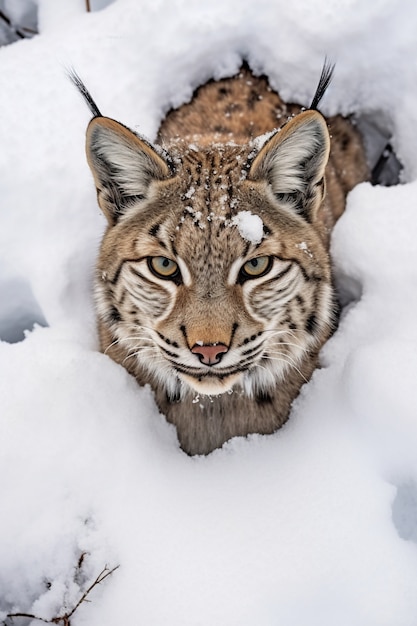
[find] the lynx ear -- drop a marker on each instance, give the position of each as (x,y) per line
(293,162)
(123,166)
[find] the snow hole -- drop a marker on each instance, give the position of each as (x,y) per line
(19,310)
(384,164)
(404,511)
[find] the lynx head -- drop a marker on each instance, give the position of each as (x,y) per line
(212,272)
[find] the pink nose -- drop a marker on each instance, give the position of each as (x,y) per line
(211,353)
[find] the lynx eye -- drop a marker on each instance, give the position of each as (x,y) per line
(163,267)
(256,267)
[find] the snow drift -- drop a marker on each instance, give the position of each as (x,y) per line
(316,524)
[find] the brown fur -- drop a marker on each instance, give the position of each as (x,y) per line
(273,326)
(244,107)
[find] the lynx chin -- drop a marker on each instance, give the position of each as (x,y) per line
(213,281)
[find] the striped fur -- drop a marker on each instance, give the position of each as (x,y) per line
(225,352)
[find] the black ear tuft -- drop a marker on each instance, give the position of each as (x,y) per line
(76,80)
(325,80)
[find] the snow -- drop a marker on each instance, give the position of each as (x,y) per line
(315,524)
(250,226)
(304,247)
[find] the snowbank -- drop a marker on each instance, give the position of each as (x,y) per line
(313,525)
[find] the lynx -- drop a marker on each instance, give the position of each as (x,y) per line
(213,281)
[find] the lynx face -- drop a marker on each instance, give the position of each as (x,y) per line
(185,295)
(213,281)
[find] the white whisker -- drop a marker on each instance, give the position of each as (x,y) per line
(139,353)
(128,338)
(288,343)
(289,362)
(287,331)
(262,367)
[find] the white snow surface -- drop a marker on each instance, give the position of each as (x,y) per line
(249,225)
(314,525)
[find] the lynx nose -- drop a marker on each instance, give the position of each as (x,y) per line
(211,353)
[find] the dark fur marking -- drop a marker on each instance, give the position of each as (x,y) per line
(250,351)
(222,92)
(114,315)
(311,324)
(116,277)
(174,249)
(161,336)
(184,334)
(193,157)
(263,398)
(176,397)
(282,274)
(200,376)
(230,191)
(247,248)
(170,354)
(345,141)
(168,341)
(123,298)
(229,168)
(143,278)
(153,231)
(306,277)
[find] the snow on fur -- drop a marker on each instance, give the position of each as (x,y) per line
(250,226)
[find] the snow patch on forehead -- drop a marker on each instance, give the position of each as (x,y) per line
(250,226)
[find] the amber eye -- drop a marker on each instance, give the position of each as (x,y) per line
(163,267)
(256,267)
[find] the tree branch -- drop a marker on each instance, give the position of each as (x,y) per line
(65,620)
(20,32)
(102,576)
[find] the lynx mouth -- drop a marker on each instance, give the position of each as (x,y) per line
(211,385)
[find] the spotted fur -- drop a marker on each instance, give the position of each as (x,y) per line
(224,351)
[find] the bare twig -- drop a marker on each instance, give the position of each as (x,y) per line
(9,23)
(87,4)
(29,615)
(81,560)
(105,573)
(30,31)
(20,32)
(65,620)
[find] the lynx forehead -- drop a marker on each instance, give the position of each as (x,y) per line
(213,278)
